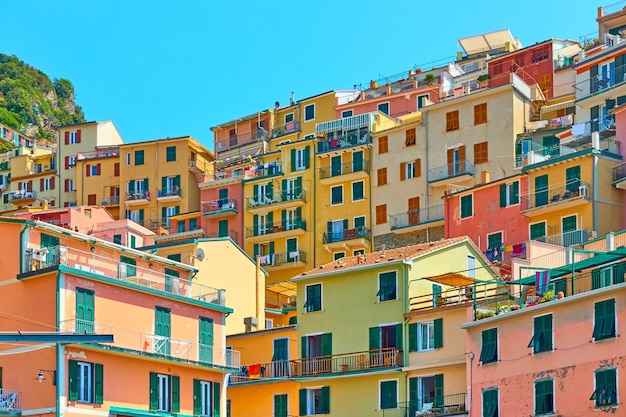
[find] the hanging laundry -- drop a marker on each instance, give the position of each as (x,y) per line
(541,282)
(508,248)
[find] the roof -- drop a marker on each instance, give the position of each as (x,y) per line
(386,256)
(453,279)
(486,42)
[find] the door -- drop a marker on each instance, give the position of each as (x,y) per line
(162,330)
(223,197)
(572,179)
(205,339)
(414,210)
(84,311)
(335,166)
(357,161)
(222,228)
(337,234)
(570,234)
(541,190)
(280,358)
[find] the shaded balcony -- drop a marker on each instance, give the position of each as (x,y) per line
(137,198)
(566,239)
(444,405)
(357,236)
(572,194)
(241,140)
(351,129)
(463,292)
(349,171)
(604,80)
(459,171)
(278,200)
(233,234)
(286,129)
(160,346)
(275,299)
(284,260)
(169,194)
(20,197)
(343,141)
(277,229)
(10,401)
(5,165)
(619,176)
(113,200)
(412,219)
(336,364)
(124,273)
(99,153)
(271,169)
(224,207)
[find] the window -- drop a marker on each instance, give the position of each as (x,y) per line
(382,176)
(139,157)
(542,334)
(205,339)
(288,118)
(309,112)
(346,113)
(481,152)
(116,169)
(480,113)
(452,121)
(606,387)
(409,139)
(5,198)
(489,351)
(300,159)
(358,252)
(381,214)
(313,298)
(314,401)
(490,403)
(544,82)
(46,184)
(262,223)
(383,144)
(168,212)
(383,108)
(537,230)
(162,330)
(206,398)
(292,218)
(410,170)
(358,191)
(280,405)
(128,158)
(164,393)
(509,194)
(72,138)
(338,255)
(467,206)
(117,239)
(544,397)
(422,100)
(387,286)
(170,186)
(604,319)
(170,154)
(72,160)
(426,336)
(269,323)
(92,170)
(359,222)
(181,226)
(193,224)
(86,382)
(336,195)
(84,311)
(388,394)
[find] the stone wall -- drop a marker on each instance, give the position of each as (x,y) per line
(393,240)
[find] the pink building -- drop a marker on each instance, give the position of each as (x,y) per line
(619,172)
(222,206)
(552,356)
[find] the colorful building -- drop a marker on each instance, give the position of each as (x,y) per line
(34,179)
(98,179)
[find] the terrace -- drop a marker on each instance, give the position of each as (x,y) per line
(282,260)
(345,132)
(357,233)
(238,140)
(287,228)
(444,405)
(458,171)
(281,199)
(220,208)
(573,193)
(416,217)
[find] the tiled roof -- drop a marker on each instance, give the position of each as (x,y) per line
(380,257)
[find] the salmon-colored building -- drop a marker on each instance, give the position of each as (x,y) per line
(168,354)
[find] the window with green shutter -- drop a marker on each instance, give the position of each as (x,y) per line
(128,267)
(205,339)
(133,241)
(572,179)
(280,405)
(170,154)
(542,334)
(117,239)
(604,319)
(467,206)
(139,157)
(537,230)
(48,241)
(84,311)
(541,190)
(490,403)
(86,382)
(203,393)
(193,224)
(222,227)
(509,194)
(162,330)
(313,298)
(387,286)
(314,401)
(489,350)
(606,387)
(544,397)
(388,394)
(181,225)
(336,195)
(174,257)
(358,191)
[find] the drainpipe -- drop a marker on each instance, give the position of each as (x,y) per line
(425,124)
(257,287)
(594,208)
(60,349)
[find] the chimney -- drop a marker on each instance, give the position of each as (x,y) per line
(595,140)
(485,177)
(251,323)
(292,102)
(610,241)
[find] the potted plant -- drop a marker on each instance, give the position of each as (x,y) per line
(430,79)
(483,79)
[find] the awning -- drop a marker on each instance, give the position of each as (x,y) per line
(569,51)
(486,42)
(452,279)
(558,106)
(286,288)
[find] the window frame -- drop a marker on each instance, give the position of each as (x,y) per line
(461,213)
(168,153)
(300,155)
(338,255)
(306,109)
(86,389)
(486,346)
(141,160)
(332,200)
(452,121)
(480,114)
(540,331)
(496,410)
(508,197)
(596,387)
(362,190)
(390,294)
(540,406)
(430,326)
(311,307)
(600,321)
(386,103)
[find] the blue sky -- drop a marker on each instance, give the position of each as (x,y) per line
(163,69)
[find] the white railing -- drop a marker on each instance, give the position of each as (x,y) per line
(9,400)
(344,124)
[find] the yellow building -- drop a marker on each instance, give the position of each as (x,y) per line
(98,179)
(159,179)
(34,179)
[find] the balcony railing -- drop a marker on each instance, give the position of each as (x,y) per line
(566,239)
(37,259)
(416,217)
(342,141)
(99,153)
(110,201)
(345,124)
(347,234)
(4,165)
(233,234)
(286,129)
(217,206)
(450,170)
(275,198)
(139,195)
(343,169)
(279,300)
(241,139)
(278,259)
(229,175)
(534,153)
(10,400)
(457,295)
(266,170)
(554,195)
(619,172)
(445,405)
(603,81)
(363,361)
(269,228)
(22,195)
(170,192)
(169,347)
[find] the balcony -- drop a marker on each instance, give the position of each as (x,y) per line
(137,198)
(460,171)
(346,124)
(285,260)
(240,140)
(125,274)
(337,364)
(566,239)
(413,220)
(279,300)
(344,141)
(110,201)
(220,208)
(458,295)
(602,84)
(619,176)
(556,198)
(277,230)
(287,129)
(271,169)
(233,234)
(350,171)
(358,236)
(278,200)
(200,166)
(169,194)
(445,405)
(99,153)
(10,401)
(22,197)
(159,346)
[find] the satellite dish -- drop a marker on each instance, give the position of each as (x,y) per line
(200,254)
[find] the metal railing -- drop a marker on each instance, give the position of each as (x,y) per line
(445,405)
(266,170)
(283,258)
(286,129)
(233,234)
(343,169)
(603,81)
(37,259)
(346,124)
(22,195)
(99,153)
(139,195)
(416,217)
(225,176)
(10,400)
(362,361)
(535,153)
(241,139)
(347,140)
(566,239)
(275,227)
(110,201)
(619,172)
(169,347)
(219,205)
(347,234)
(174,191)
(275,198)
(554,195)
(279,300)
(451,170)
(457,295)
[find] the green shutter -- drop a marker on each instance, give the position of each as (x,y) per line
(593,77)
(269,190)
(131,186)
(572,178)
(141,216)
(345,224)
(537,230)
(175,394)
(303,408)
(283,220)
(255,193)
(255,250)
(303,348)
(73,380)
(325,401)
(145,184)
(595,115)
(177,181)
(503,195)
(163,214)
(99,380)
(197,397)
(515,193)
(280,405)
(595,279)
(413,337)
(271,248)
(293,160)
(154,391)
(399,329)
(618,272)
(327,344)
(438,327)
(299,214)
(217,391)
(374,338)
(255,225)
(283,193)
(307,157)
(438,391)
(163,184)
(205,326)
(413,399)
(388,394)
(222,228)
(541,190)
